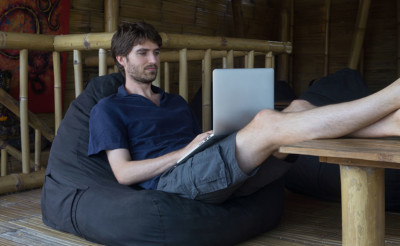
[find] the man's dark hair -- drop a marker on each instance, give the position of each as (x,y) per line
(130,34)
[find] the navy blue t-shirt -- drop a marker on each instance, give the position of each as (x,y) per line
(133,122)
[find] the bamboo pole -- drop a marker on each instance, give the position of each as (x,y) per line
(237,14)
(38,149)
(269,60)
(176,41)
(19,182)
(290,72)
(230,60)
(4,160)
(57,90)
(398,37)
(19,41)
(95,41)
(15,153)
(358,37)
(206,93)
(246,61)
(224,62)
(35,122)
(111,13)
(89,41)
(173,56)
(183,75)
(23,97)
(250,57)
(102,62)
(166,77)
(78,72)
(283,60)
(327,22)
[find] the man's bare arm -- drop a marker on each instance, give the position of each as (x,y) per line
(128,171)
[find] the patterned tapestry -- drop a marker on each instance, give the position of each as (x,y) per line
(40,17)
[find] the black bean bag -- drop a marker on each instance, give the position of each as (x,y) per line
(82,197)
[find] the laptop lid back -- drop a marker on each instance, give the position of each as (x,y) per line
(238,95)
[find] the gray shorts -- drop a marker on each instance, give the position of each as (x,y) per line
(213,175)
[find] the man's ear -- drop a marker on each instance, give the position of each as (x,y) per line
(121,60)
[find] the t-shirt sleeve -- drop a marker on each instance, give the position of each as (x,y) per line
(107,129)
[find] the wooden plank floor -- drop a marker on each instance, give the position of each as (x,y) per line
(306,221)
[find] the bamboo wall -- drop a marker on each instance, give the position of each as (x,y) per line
(378,62)
(311,22)
(211,18)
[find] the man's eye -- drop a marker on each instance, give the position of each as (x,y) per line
(157,53)
(142,53)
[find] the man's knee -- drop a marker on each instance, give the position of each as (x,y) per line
(298,105)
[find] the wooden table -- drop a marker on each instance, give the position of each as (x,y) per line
(362,172)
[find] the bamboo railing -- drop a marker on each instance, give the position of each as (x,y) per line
(180,48)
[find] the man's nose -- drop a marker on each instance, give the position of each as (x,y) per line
(153,58)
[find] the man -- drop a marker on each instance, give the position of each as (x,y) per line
(145,131)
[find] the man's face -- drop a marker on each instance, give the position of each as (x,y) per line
(142,62)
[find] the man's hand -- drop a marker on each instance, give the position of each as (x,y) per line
(196,141)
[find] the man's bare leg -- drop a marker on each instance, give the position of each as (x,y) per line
(386,127)
(271,129)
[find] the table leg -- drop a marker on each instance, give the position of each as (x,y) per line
(363,205)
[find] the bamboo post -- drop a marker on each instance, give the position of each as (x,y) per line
(78,72)
(246,61)
(327,22)
(102,62)
(57,90)
(15,153)
(250,57)
(283,59)
(111,13)
(291,31)
(166,77)
(183,74)
(358,37)
(237,14)
(363,193)
(23,97)
(4,160)
(224,62)
(230,59)
(206,93)
(269,60)
(398,38)
(38,149)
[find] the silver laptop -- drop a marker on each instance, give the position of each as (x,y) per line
(238,95)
